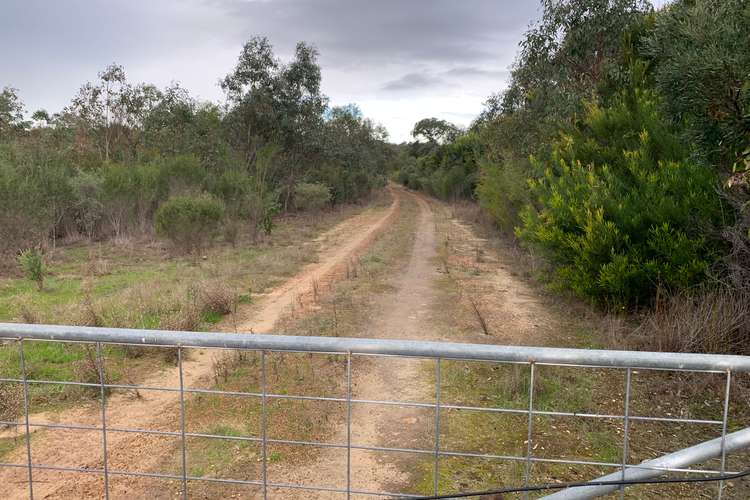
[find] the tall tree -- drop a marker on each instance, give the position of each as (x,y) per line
(11,113)
(435,131)
(272,102)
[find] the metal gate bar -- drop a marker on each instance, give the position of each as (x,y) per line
(695,454)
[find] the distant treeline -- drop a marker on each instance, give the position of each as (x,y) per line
(104,165)
(620,149)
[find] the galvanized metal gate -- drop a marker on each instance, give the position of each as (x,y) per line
(529,358)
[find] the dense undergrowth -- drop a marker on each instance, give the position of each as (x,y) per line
(122,153)
(619,152)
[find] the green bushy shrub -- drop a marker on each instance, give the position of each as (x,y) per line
(189,222)
(25,216)
(503,191)
(621,210)
(32,265)
(311,196)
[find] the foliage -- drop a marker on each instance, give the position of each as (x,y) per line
(32,265)
(567,54)
(11,113)
(435,131)
(276,103)
(503,191)
(29,197)
(355,155)
(611,145)
(621,210)
(102,166)
(701,65)
(189,221)
(449,171)
(574,53)
(88,206)
(311,196)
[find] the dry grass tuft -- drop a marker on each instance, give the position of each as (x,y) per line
(711,321)
(11,401)
(225,364)
(25,310)
(185,318)
(213,298)
(87,369)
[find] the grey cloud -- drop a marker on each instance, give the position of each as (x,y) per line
(421,81)
(470,71)
(352,32)
(413,81)
(370,49)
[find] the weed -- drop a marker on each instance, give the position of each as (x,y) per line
(226,364)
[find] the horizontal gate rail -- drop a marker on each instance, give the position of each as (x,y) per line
(438,351)
(333,345)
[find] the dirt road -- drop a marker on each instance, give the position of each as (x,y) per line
(403,314)
(410,309)
(414,310)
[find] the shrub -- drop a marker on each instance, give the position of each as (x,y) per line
(189,222)
(32,265)
(231,231)
(30,201)
(213,298)
(88,208)
(311,196)
(621,210)
(503,191)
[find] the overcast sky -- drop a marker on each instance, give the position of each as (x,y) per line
(399,60)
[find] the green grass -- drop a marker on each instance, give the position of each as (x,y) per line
(7,445)
(139,284)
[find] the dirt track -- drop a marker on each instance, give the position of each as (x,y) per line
(410,309)
(404,314)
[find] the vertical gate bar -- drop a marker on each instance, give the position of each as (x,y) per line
(26,416)
(182,424)
(724,421)
(527,468)
(105,456)
(264,423)
(436,471)
(626,431)
(348,425)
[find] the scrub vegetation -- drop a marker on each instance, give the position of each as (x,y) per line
(618,153)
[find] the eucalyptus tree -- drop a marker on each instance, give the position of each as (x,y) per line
(112,111)
(355,154)
(568,53)
(11,113)
(700,54)
(271,102)
(435,131)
